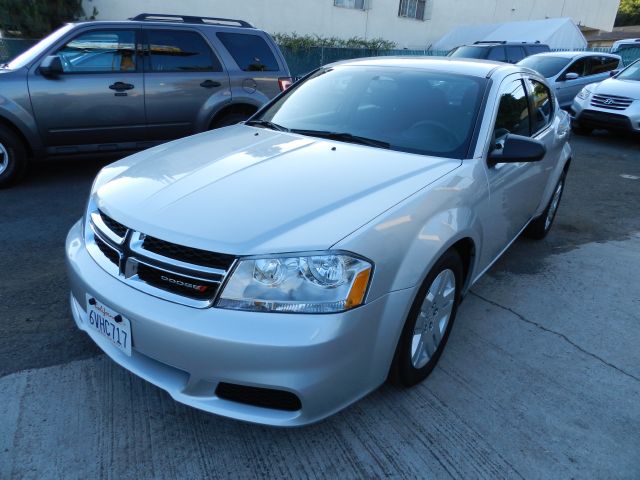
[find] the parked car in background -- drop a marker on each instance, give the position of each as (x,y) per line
(127,85)
(568,72)
(625,44)
(613,104)
(509,52)
(279,270)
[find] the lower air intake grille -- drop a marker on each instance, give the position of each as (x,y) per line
(178,284)
(259,397)
(191,255)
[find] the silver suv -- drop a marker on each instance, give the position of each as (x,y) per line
(127,85)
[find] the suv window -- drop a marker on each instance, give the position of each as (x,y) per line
(251,52)
(602,65)
(542,106)
(100,51)
(497,53)
(513,111)
(180,51)
(515,53)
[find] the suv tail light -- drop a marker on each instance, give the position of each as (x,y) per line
(284,83)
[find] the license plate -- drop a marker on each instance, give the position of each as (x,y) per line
(110,324)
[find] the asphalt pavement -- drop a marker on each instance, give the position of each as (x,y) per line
(540,379)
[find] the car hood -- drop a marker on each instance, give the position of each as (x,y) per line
(623,88)
(246,190)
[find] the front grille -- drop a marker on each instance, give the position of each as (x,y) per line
(114,226)
(259,397)
(112,255)
(178,284)
(611,102)
(605,119)
(191,255)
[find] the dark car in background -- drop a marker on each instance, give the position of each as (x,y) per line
(509,52)
(94,87)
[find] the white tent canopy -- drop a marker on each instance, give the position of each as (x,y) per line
(558,33)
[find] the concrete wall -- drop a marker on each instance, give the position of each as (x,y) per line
(379,20)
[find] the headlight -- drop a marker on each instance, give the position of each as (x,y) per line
(321,283)
(584,93)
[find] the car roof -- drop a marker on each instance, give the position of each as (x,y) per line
(575,54)
(461,66)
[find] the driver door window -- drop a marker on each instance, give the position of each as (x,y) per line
(513,111)
(580,66)
(100,51)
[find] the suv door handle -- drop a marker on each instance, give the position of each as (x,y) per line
(210,84)
(121,86)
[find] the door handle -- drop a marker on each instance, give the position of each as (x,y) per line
(121,86)
(210,84)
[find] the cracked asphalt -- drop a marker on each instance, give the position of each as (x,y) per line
(540,379)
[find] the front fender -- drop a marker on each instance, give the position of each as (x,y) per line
(15,107)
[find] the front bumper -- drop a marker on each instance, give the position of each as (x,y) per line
(328,361)
(586,115)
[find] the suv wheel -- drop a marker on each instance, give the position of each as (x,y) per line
(429,323)
(231,119)
(13,157)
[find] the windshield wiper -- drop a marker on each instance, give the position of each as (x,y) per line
(344,137)
(267,124)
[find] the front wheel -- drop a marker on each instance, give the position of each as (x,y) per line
(13,157)
(429,323)
(540,226)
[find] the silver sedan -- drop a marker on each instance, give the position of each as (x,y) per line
(279,270)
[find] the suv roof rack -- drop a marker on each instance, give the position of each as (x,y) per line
(163,17)
(480,42)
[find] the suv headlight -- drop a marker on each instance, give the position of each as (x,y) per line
(326,282)
(584,93)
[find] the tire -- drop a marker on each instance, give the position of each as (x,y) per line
(230,119)
(13,157)
(540,226)
(411,364)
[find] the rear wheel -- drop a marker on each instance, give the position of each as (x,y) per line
(429,323)
(539,227)
(13,157)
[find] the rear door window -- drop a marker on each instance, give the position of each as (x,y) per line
(542,103)
(180,51)
(250,52)
(497,54)
(599,65)
(515,53)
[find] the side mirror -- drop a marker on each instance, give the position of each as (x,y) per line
(51,66)
(571,76)
(517,148)
(613,73)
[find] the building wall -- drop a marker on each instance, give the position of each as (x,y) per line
(381,19)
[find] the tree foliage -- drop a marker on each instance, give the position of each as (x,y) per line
(303,42)
(38,18)
(628,13)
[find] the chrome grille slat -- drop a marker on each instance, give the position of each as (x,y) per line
(611,102)
(163,276)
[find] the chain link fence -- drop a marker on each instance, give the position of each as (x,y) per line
(304,60)
(12,47)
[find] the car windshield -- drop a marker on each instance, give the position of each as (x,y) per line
(26,57)
(410,110)
(470,52)
(547,66)
(632,72)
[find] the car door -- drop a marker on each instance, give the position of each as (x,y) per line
(515,188)
(184,81)
(97,102)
